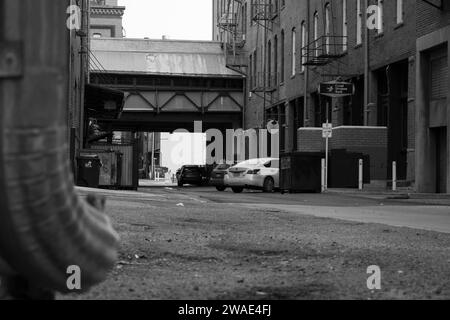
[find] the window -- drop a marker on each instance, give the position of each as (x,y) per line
(255,69)
(399,11)
(359,22)
(380,16)
(327,27)
(269,64)
(303,45)
(97,35)
(282,55)
(275,59)
(244,20)
(316,33)
(344,26)
(250,71)
(294,52)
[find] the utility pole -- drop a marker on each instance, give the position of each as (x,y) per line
(153,157)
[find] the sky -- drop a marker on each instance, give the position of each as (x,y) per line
(176,19)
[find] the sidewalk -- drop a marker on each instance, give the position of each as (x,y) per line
(406,195)
(144,183)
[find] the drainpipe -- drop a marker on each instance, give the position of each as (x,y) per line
(84,77)
(366,65)
(305,96)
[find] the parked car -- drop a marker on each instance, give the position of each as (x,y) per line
(260,174)
(190,175)
(218,176)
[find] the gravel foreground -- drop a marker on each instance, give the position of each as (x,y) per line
(195,250)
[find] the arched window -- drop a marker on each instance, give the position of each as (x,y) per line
(275,59)
(327,27)
(316,32)
(344,26)
(294,52)
(303,44)
(399,11)
(282,46)
(359,22)
(380,16)
(269,64)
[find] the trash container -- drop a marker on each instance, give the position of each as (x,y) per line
(111,167)
(88,171)
(344,169)
(301,172)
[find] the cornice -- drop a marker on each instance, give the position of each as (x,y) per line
(107,10)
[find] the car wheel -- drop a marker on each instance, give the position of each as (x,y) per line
(237,189)
(269,185)
(221,189)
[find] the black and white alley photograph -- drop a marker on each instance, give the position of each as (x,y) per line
(224,156)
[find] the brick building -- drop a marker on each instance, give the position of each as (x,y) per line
(287,48)
(432,101)
(78,78)
(106,19)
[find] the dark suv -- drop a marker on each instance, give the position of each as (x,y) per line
(217,177)
(190,175)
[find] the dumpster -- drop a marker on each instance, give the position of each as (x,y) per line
(301,172)
(88,171)
(344,169)
(111,169)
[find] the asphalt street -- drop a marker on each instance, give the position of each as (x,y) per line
(197,243)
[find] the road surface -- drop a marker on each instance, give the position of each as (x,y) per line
(200,244)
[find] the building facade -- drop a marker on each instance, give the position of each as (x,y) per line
(287,48)
(106,19)
(78,77)
(432,101)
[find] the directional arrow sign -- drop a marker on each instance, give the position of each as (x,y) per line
(336,89)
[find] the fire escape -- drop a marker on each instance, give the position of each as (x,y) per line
(234,36)
(438,4)
(323,54)
(265,13)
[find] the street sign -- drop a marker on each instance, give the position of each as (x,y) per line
(327,130)
(337,89)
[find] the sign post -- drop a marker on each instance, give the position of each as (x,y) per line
(327,134)
(332,89)
(337,89)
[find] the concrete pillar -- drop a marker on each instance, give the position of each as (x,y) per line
(371,110)
(410,175)
(337,112)
(448,116)
(290,126)
(425,164)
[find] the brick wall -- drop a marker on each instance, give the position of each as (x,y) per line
(368,140)
(396,43)
(430,19)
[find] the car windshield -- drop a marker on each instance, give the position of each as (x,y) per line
(192,169)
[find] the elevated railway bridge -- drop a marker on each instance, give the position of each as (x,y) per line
(167,85)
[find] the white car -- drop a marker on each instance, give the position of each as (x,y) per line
(261,173)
